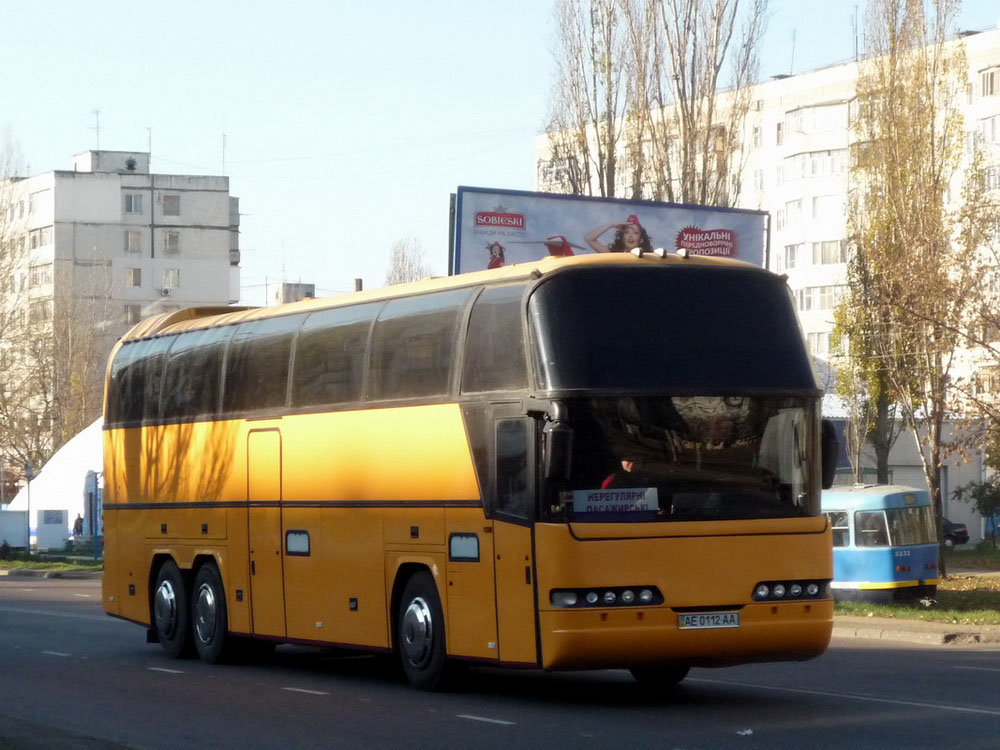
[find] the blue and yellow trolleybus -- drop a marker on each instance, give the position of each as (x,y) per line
(884,545)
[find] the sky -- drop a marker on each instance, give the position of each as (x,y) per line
(343,126)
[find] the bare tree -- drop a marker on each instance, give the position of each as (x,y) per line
(588,98)
(406,263)
(638,94)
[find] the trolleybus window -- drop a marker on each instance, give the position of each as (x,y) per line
(413,345)
(330,355)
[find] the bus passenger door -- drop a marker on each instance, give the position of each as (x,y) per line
(514,491)
(267,591)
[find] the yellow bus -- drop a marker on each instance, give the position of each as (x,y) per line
(607,461)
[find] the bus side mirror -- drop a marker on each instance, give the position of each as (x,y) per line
(558,450)
(830,450)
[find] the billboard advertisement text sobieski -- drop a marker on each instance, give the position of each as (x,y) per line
(494,228)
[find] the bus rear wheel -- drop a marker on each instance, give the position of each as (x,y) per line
(170,611)
(659,677)
(420,633)
(209,618)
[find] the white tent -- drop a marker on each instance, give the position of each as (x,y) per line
(60,483)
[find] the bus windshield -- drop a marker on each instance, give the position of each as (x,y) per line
(676,330)
(689,458)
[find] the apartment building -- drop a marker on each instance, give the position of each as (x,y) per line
(91,250)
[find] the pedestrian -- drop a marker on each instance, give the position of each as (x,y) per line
(78,525)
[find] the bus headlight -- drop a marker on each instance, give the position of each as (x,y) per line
(769,591)
(611,596)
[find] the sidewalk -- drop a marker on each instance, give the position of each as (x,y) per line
(88,575)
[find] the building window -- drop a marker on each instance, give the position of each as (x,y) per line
(756,136)
(171,205)
(40,275)
(778,134)
(819,343)
(133,203)
(171,243)
(825,253)
(133,242)
(990,128)
(133,277)
(133,314)
(990,82)
(171,278)
(791,251)
(41,311)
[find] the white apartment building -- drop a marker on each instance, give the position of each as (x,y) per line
(107,243)
(142,243)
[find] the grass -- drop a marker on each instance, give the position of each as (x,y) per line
(20,561)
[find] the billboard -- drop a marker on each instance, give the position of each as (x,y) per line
(494,228)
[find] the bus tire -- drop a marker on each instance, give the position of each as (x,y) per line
(209,618)
(170,611)
(420,633)
(659,677)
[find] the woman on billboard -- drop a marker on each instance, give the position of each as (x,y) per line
(630,234)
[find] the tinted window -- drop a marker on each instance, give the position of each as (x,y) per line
(154,358)
(513,485)
(330,355)
(257,364)
(716,330)
(413,345)
(193,373)
(124,401)
(494,354)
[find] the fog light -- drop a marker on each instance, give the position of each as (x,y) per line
(591,597)
(609,597)
(779,591)
(795,590)
(761,591)
(628,596)
(645,596)
(812,589)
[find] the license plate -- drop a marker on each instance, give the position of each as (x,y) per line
(695,620)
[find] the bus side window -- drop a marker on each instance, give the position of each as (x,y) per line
(413,345)
(330,355)
(193,374)
(494,353)
(841,531)
(513,482)
(257,364)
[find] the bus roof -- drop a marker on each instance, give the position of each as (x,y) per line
(204,317)
(873,496)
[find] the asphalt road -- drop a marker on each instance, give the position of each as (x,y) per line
(73,678)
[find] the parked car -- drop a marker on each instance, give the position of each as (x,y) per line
(955,533)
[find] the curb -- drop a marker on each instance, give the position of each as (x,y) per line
(941,634)
(86,575)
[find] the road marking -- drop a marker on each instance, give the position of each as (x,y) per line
(163,669)
(869,698)
(303,690)
(55,653)
(101,618)
(483,718)
(981,669)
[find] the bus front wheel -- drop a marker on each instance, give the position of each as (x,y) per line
(420,633)
(170,611)
(209,621)
(659,677)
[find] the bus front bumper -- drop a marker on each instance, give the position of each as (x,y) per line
(627,637)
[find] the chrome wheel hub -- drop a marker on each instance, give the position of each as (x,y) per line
(418,633)
(205,613)
(165,609)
